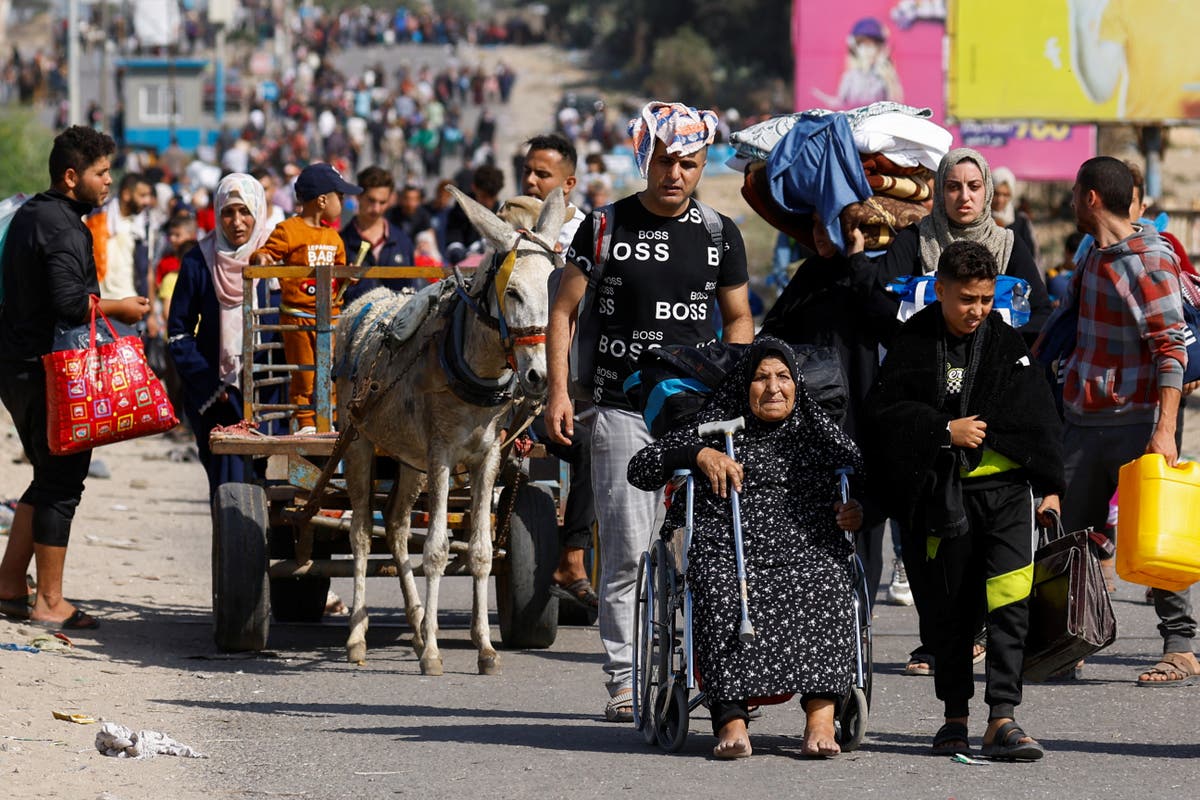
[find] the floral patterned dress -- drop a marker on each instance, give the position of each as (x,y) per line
(797,560)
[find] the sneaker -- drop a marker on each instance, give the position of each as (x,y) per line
(899,591)
(307,430)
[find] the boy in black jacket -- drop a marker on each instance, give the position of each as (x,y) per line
(964,428)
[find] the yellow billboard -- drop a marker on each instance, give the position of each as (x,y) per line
(1074,60)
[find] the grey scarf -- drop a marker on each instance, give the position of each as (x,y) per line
(937,231)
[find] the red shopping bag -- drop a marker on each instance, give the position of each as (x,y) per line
(103,394)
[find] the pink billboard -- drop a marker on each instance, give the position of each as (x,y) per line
(855,52)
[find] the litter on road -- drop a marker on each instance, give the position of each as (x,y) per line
(121,742)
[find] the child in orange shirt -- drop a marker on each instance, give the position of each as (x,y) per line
(304,240)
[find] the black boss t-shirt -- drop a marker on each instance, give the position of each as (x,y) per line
(658,288)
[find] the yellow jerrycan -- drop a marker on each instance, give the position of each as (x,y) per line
(1158,523)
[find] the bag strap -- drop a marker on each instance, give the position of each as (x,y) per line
(713,224)
(602,231)
(1099,540)
(94,302)
(1102,543)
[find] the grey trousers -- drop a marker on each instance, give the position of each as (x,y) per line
(625,516)
(1093,457)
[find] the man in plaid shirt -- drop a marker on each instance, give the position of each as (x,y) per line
(1124,381)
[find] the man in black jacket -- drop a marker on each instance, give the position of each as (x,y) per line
(49,274)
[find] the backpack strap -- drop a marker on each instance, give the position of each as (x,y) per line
(713,224)
(602,231)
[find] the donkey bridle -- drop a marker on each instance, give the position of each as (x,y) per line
(463,381)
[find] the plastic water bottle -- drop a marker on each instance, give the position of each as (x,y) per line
(1020,305)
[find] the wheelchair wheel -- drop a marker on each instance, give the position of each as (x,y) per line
(672,716)
(851,727)
(868,657)
(643,651)
(865,647)
(653,635)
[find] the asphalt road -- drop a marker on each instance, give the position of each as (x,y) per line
(302,722)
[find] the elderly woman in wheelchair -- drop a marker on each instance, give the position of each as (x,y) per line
(772,610)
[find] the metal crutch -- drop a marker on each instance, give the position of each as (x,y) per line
(728,428)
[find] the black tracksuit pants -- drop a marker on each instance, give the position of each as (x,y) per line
(57,485)
(580,514)
(984,575)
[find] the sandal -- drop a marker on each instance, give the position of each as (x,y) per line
(580,592)
(1071,672)
(919,664)
(1007,745)
(1177,668)
(79,620)
(620,706)
(950,739)
(979,648)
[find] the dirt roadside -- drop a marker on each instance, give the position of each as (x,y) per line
(137,561)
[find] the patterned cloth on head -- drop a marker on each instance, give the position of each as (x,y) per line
(683,129)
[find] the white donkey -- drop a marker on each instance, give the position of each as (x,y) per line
(437,399)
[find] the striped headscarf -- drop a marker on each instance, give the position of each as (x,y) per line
(683,129)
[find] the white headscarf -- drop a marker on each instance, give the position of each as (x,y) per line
(225,264)
(1002,176)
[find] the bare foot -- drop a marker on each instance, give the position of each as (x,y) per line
(819,738)
(567,577)
(334,605)
(733,741)
(43,611)
(570,567)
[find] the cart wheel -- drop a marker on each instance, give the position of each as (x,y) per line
(528,612)
(296,599)
(672,717)
(852,722)
(239,568)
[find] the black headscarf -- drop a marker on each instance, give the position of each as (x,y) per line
(732,399)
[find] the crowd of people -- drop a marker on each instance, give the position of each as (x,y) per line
(958,415)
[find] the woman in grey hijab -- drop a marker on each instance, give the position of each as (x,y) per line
(962,209)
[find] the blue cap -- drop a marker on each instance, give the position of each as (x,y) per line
(870,28)
(321,178)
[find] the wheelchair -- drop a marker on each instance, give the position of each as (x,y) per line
(665,680)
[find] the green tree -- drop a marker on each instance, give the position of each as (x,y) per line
(749,41)
(25,153)
(683,67)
